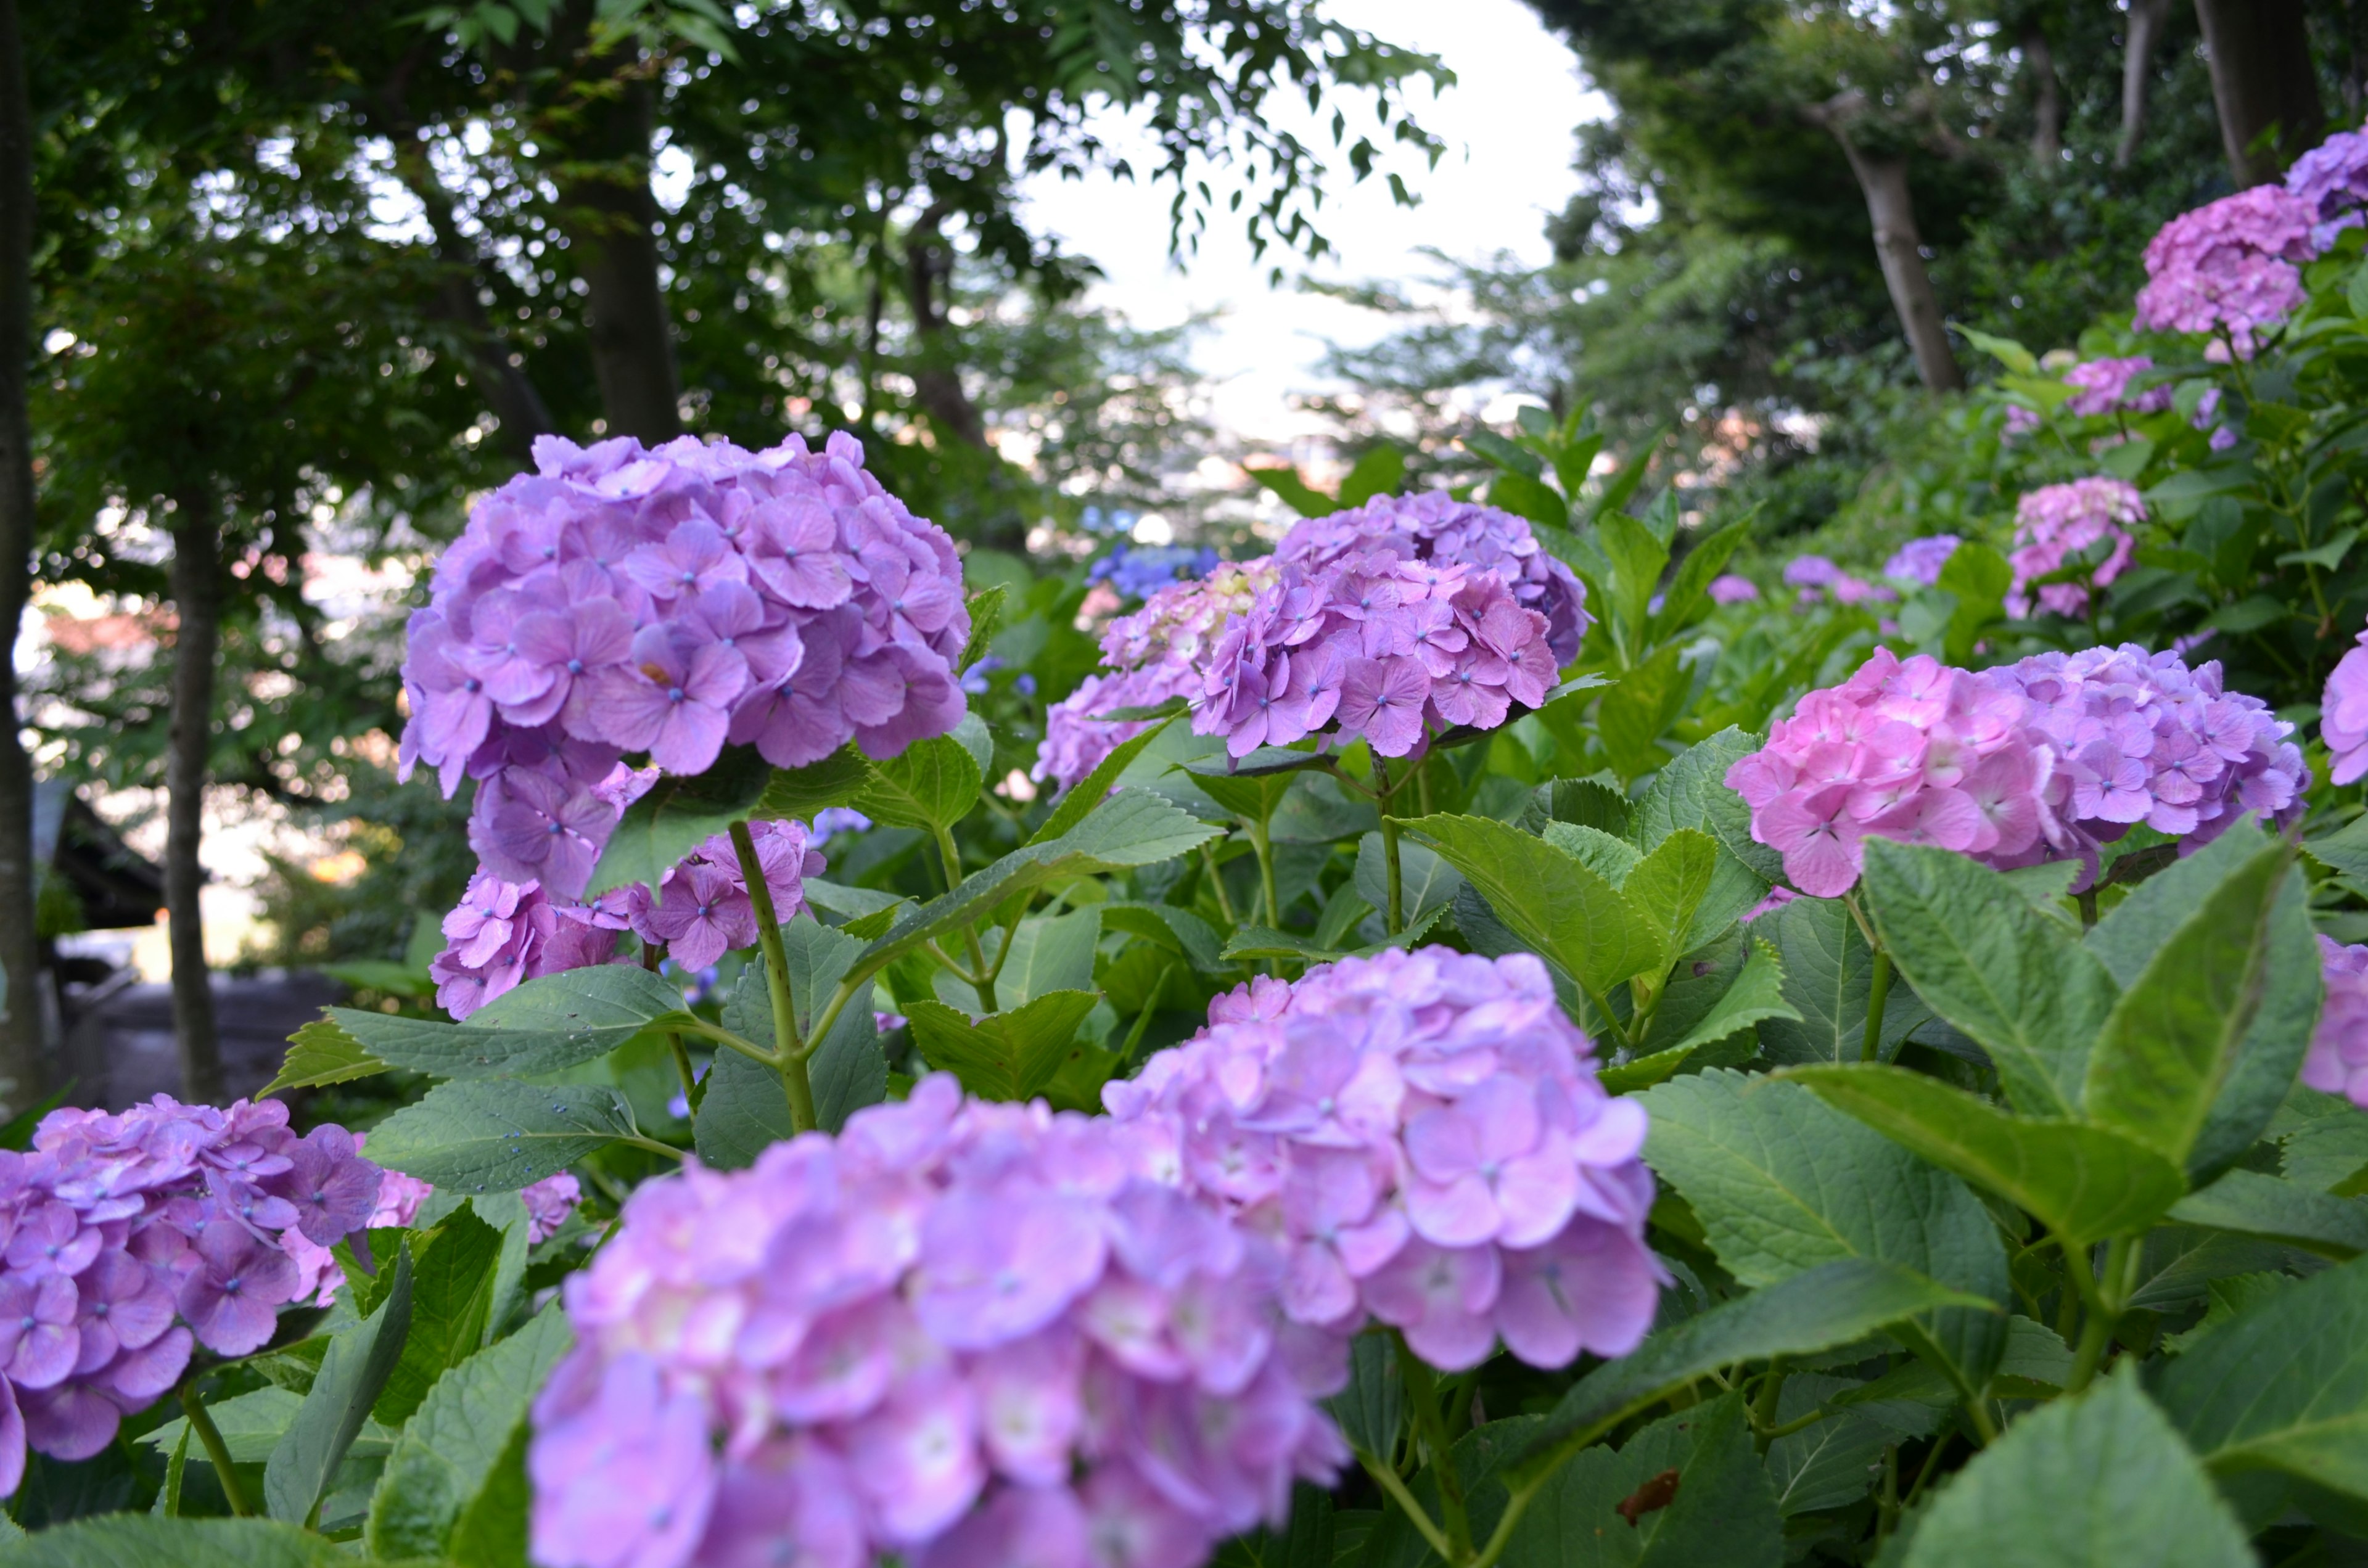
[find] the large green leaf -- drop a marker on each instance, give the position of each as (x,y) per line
(1981,957)
(1831,1305)
(1783,1183)
(2344,851)
(147,1541)
(2256,1205)
(1702,563)
(2285,1386)
(448,1449)
(801,792)
(2130,936)
(1829,979)
(1723,1511)
(356,1367)
(453,1280)
(1755,995)
(1371,1409)
(1426,881)
(1005,1056)
(1671,885)
(2172,1039)
(1632,716)
(499,1136)
(744,1107)
(1692,792)
(2084,1183)
(321,1052)
(1637,557)
(677,815)
(1049,952)
(1552,904)
(2098,1482)
(1090,791)
(550,1023)
(931,784)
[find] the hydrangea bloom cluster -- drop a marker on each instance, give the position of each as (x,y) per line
(2228,266)
(662,603)
(504,933)
(962,1334)
(1424,1135)
(2046,759)
(2137,736)
(1431,526)
(2338,1063)
(548,1202)
(1079,732)
(2343,713)
(1818,577)
(1920,560)
(2104,388)
(1180,621)
(1375,646)
(131,1237)
(2056,520)
(2331,180)
(1913,751)
(2021,421)
(1728,588)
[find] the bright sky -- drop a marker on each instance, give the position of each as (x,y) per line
(1507,123)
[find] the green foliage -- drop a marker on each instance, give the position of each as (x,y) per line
(500,1135)
(352,1379)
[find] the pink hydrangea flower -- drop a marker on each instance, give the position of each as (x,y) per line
(2056,520)
(669,602)
(2021,421)
(1077,731)
(2338,1063)
(1180,621)
(548,1202)
(957,1332)
(2343,713)
(2104,388)
(1424,1134)
(2228,266)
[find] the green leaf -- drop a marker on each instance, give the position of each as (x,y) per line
(2257,1205)
(1724,1511)
(2084,1183)
(1691,791)
(1378,473)
(1583,802)
(1178,930)
(1829,979)
(1703,561)
(499,1136)
(321,1052)
(1293,490)
(453,1284)
(251,1424)
(2285,1386)
(1560,910)
(1671,886)
(1049,952)
(2172,1039)
(1834,1304)
(547,1025)
(1609,857)
(1253,797)
(1632,715)
(2005,351)
(985,608)
(146,1541)
(1981,957)
(2344,851)
(745,1109)
(677,815)
(932,784)
(448,1449)
(1977,578)
(800,792)
(1637,559)
(1754,996)
(1529,498)
(1130,828)
(1426,881)
(1508,457)
(356,1369)
(2135,930)
(1005,1056)
(1783,1183)
(492,1529)
(1371,1409)
(2098,1482)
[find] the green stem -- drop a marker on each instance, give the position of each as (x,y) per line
(683,1073)
(1217,885)
(725,1037)
(1764,1402)
(1262,846)
(1422,1393)
(1393,918)
(655,1147)
(1924,1471)
(2088,902)
(951,855)
(789,1055)
(2104,1312)
(202,1422)
(1387,1480)
(1878,993)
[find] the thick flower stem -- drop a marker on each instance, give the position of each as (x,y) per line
(1422,1393)
(1393,918)
(2103,1308)
(950,854)
(201,1422)
(788,1054)
(1263,844)
(1878,993)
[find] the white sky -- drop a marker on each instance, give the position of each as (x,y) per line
(1507,123)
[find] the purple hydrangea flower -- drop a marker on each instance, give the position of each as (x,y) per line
(1424,1133)
(958,1333)
(2228,267)
(667,603)
(2338,1063)
(1727,588)
(1078,733)
(1920,560)
(2104,388)
(2056,520)
(2343,713)
(2331,180)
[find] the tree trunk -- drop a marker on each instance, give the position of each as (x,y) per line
(937,373)
(2263,82)
(196,606)
(23,1045)
(2046,100)
(610,216)
(1893,213)
(2148,18)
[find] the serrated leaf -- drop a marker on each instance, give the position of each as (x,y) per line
(1783,1183)
(677,816)
(1691,791)
(1010,1055)
(2082,1182)
(1371,1409)
(800,792)
(499,1136)
(1427,883)
(321,1052)
(2102,1481)
(450,1448)
(1671,886)
(1829,980)
(985,608)
(744,1109)
(2344,850)
(1754,996)
(1723,1509)
(453,1285)
(1980,956)
(1702,563)
(1632,715)
(1556,906)
(1178,930)
(2173,1036)
(2257,1205)
(147,1541)
(931,784)
(359,1362)
(1090,791)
